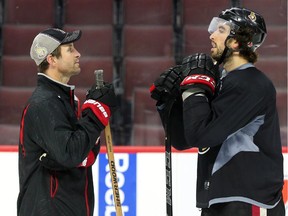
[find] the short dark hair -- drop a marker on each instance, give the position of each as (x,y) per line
(44,65)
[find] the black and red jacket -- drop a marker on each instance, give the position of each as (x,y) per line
(238,137)
(50,124)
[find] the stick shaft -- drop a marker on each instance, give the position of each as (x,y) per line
(99,78)
(110,153)
(168,164)
(113,174)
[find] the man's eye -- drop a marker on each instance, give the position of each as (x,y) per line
(221,30)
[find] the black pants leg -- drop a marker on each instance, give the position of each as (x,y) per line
(240,209)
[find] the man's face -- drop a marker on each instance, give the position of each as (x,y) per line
(68,63)
(219,29)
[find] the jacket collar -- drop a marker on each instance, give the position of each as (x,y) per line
(50,80)
(62,90)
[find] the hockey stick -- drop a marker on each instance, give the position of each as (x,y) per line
(168,161)
(168,165)
(110,153)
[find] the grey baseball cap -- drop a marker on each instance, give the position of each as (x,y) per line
(48,40)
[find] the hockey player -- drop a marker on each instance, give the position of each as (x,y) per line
(233,121)
(59,141)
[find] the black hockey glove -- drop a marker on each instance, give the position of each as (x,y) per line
(167,86)
(101,102)
(199,72)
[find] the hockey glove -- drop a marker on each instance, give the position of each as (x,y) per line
(92,155)
(167,86)
(100,102)
(199,74)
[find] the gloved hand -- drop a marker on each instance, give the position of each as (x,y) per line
(92,155)
(167,86)
(101,101)
(199,72)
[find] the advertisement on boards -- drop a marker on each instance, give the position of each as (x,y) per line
(141,182)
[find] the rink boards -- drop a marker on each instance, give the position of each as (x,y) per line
(141,181)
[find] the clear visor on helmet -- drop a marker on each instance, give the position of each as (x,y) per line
(221,25)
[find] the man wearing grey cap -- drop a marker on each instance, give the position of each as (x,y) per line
(59,141)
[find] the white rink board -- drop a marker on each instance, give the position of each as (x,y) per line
(150,181)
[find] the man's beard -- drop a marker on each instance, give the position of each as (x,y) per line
(217,56)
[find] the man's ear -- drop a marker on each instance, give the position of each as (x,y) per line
(50,59)
(233,44)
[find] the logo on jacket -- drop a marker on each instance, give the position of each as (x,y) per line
(203,150)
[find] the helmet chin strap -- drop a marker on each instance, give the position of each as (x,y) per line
(223,56)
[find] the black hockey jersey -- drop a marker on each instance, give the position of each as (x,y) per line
(238,137)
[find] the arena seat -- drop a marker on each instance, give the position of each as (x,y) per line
(148,50)
(18,71)
(144,108)
(142,71)
(29,12)
(95,40)
(275,68)
(88,12)
(22,71)
(284,135)
(148,40)
(88,65)
(196,40)
(200,12)
(145,135)
(9,134)
(282,106)
(18,38)
(15,99)
(274,11)
(148,12)
(275,42)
